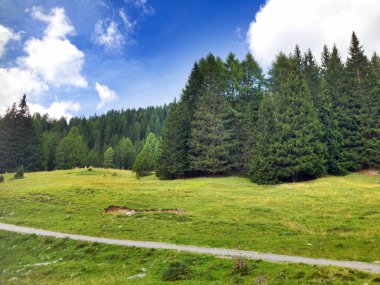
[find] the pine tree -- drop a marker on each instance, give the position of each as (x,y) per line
(252,86)
(331,135)
(311,72)
(188,102)
(71,151)
(211,130)
(263,169)
(371,110)
(353,125)
(145,160)
(20,141)
(279,72)
(299,154)
(171,157)
(109,156)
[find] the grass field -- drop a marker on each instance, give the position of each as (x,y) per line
(27,259)
(332,217)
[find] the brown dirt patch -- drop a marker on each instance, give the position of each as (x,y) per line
(369,172)
(129,212)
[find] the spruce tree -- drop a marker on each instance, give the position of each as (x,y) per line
(355,92)
(371,111)
(252,87)
(299,154)
(331,135)
(212,138)
(145,160)
(263,169)
(311,72)
(171,156)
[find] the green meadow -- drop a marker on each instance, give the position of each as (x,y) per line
(27,259)
(331,217)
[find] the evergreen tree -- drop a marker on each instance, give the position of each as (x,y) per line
(109,156)
(211,131)
(253,85)
(299,154)
(353,124)
(171,157)
(20,141)
(331,135)
(71,151)
(125,153)
(371,111)
(311,72)
(145,160)
(263,169)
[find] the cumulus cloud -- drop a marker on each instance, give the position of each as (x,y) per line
(54,57)
(57,110)
(106,94)
(50,61)
(107,35)
(281,24)
(14,82)
(6,35)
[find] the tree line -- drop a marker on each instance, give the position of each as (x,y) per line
(303,121)
(300,121)
(110,140)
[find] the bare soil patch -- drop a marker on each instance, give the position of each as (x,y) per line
(369,172)
(129,212)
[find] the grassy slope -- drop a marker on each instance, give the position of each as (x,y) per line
(333,217)
(91,263)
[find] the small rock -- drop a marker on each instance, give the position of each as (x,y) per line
(143,269)
(140,275)
(309,244)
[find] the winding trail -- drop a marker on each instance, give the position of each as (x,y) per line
(221,252)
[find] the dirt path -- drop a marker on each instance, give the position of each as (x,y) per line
(222,252)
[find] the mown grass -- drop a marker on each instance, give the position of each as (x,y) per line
(332,217)
(28,259)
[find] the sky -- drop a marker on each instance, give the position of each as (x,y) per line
(78,58)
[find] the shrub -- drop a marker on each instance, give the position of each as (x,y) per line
(240,267)
(20,172)
(1,178)
(177,270)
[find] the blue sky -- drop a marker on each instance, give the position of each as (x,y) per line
(88,56)
(144,59)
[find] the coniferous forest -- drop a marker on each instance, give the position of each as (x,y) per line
(301,121)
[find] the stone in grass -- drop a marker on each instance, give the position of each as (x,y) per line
(140,275)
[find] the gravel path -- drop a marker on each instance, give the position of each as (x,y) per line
(222,252)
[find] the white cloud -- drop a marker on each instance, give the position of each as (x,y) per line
(129,25)
(6,35)
(107,35)
(106,95)
(56,110)
(54,57)
(281,24)
(14,82)
(50,61)
(143,5)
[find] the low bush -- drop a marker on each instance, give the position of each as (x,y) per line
(177,270)
(240,267)
(20,172)
(1,178)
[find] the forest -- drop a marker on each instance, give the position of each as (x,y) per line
(300,121)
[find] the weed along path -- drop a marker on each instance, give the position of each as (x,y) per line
(221,252)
